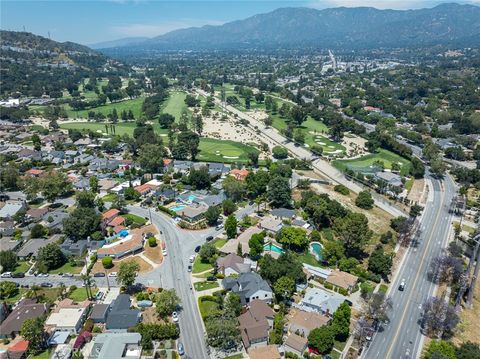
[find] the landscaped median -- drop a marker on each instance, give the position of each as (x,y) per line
(201,286)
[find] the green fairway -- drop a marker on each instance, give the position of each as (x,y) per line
(121,128)
(135,105)
(382,155)
(223,151)
(175,104)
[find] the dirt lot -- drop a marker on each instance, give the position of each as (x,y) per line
(154,253)
(469,327)
(416,193)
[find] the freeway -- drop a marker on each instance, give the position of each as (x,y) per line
(319,165)
(173,273)
(401,337)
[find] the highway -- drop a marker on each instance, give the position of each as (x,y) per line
(173,274)
(401,337)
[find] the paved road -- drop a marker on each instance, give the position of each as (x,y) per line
(319,165)
(401,338)
(173,274)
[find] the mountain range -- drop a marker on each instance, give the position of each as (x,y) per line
(360,27)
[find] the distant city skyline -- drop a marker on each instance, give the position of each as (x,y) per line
(89,22)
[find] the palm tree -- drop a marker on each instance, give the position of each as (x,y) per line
(33,292)
(89,282)
(63,290)
(77,355)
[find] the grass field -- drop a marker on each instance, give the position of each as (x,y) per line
(22,267)
(223,151)
(80,294)
(175,104)
(382,155)
(121,128)
(135,219)
(135,105)
(199,267)
(66,268)
(207,307)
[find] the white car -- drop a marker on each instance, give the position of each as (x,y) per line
(401,287)
(43,274)
(192,258)
(164,252)
(6,275)
(175,317)
(112,274)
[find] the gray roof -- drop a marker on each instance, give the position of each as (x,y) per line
(57,216)
(114,345)
(321,300)
(391,178)
(10,209)
(32,247)
(6,244)
(283,212)
(246,284)
(120,315)
(99,312)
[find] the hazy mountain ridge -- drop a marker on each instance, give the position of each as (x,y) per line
(362,27)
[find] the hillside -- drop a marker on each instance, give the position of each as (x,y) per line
(362,27)
(33,65)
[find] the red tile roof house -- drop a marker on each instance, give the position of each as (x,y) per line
(239,174)
(34,172)
(18,350)
(145,188)
(108,216)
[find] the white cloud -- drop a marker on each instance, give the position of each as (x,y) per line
(150,30)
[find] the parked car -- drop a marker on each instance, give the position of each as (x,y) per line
(192,258)
(219,227)
(112,274)
(6,275)
(175,317)
(164,252)
(99,296)
(99,274)
(18,275)
(46,285)
(67,275)
(211,278)
(209,238)
(180,349)
(43,274)
(189,268)
(197,249)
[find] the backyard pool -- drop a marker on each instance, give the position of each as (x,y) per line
(270,247)
(316,249)
(177,208)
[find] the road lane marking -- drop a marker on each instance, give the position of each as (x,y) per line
(437,217)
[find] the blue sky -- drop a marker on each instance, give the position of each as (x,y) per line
(89,21)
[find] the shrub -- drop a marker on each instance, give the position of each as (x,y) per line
(364,200)
(279,152)
(167,211)
(152,242)
(97,329)
(343,291)
(340,188)
(328,286)
(107,262)
(88,326)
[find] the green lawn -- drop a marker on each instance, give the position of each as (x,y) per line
(49,295)
(175,104)
(309,258)
(207,307)
(66,268)
(200,286)
(385,156)
(135,105)
(213,150)
(80,294)
(219,243)
(135,219)
(235,356)
(15,298)
(43,355)
(111,197)
(22,266)
(199,267)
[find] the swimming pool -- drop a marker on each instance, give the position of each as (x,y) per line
(270,247)
(316,248)
(177,208)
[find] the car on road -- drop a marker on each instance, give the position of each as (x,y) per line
(18,275)
(164,252)
(189,268)
(112,274)
(192,258)
(99,296)
(219,227)
(175,317)
(67,275)
(6,275)
(197,249)
(211,278)
(401,287)
(209,238)
(43,274)
(180,349)
(99,274)
(46,285)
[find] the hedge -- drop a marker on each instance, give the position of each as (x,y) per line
(107,262)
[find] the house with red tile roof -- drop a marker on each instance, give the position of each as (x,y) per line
(145,188)
(34,172)
(108,216)
(239,174)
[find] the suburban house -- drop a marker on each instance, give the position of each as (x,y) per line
(34,172)
(99,313)
(25,309)
(72,248)
(108,216)
(232,245)
(121,317)
(255,324)
(11,208)
(239,174)
(8,244)
(271,224)
(283,213)
(36,214)
(192,214)
(342,280)
(17,350)
(321,301)
(106,185)
(232,264)
(7,228)
(249,286)
(391,179)
(302,323)
(145,189)
(30,248)
(116,345)
(68,316)
(265,352)
(131,244)
(295,344)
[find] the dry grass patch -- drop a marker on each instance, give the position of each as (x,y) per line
(144,266)
(469,327)
(154,253)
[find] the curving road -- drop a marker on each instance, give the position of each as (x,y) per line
(173,274)
(401,337)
